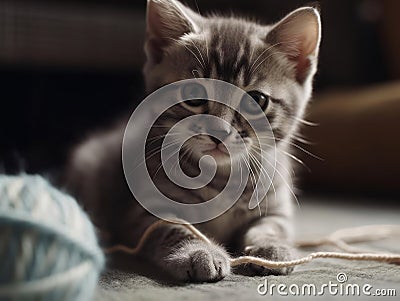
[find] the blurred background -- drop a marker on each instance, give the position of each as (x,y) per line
(71,67)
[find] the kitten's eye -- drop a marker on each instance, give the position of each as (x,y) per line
(195,93)
(250,106)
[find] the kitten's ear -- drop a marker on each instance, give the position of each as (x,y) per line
(298,35)
(167,20)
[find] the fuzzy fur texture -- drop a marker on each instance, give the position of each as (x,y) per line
(277,60)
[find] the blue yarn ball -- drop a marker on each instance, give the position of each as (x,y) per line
(48,247)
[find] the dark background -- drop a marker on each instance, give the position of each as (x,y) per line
(68,68)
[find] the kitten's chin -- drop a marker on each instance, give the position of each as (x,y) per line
(218,155)
(222,158)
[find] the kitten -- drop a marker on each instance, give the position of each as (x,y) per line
(276,65)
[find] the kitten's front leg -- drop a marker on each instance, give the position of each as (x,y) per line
(270,237)
(266,239)
(186,258)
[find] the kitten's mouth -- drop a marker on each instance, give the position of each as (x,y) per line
(219,150)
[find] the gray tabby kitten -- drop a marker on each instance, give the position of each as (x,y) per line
(275,65)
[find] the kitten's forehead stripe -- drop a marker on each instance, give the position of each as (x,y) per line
(229,54)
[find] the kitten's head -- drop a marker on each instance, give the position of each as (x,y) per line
(275,64)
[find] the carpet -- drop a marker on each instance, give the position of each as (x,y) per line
(130,279)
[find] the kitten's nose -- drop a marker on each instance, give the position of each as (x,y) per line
(221,134)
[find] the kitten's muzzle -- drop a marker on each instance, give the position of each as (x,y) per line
(218,136)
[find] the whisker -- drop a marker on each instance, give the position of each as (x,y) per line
(253,181)
(302,140)
(257,149)
(149,155)
(205,37)
(265,173)
(159,137)
(282,177)
(298,147)
(157,150)
(260,55)
(241,172)
(162,163)
(305,151)
(259,64)
(190,50)
(286,183)
(305,122)
(198,50)
(296,159)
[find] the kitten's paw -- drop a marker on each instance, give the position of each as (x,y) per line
(197,261)
(276,252)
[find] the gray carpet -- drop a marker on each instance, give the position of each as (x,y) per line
(315,218)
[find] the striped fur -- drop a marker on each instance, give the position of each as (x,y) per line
(277,60)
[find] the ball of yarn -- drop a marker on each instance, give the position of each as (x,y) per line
(48,246)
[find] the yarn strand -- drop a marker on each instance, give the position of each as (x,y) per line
(149,230)
(389,258)
(339,238)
